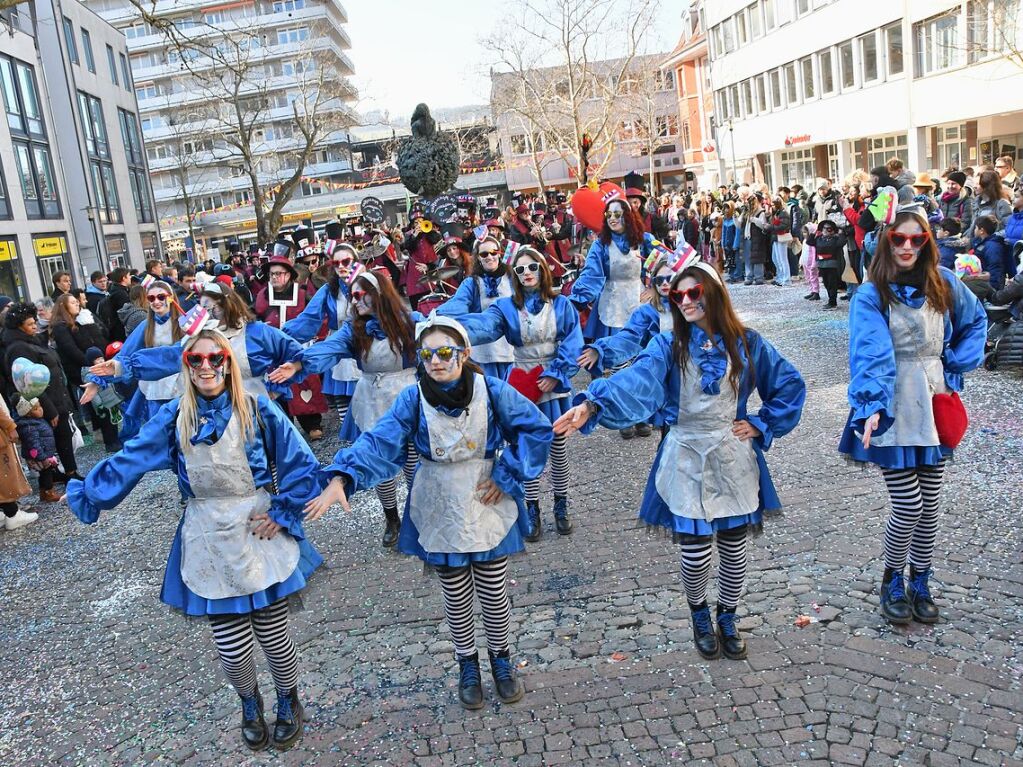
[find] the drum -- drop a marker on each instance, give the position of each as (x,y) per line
(431,301)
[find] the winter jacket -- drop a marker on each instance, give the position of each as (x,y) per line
(820,207)
(1010,295)
(994,255)
(108,309)
(1014,227)
(958,206)
(728,234)
(830,250)
(94,297)
(905,178)
(999,209)
(72,344)
(781,223)
(798,216)
(690,232)
(37,441)
(949,248)
(130,316)
(759,238)
(19,344)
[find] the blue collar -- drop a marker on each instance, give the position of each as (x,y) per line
(708,353)
(214,415)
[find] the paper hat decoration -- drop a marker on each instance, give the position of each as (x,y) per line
(480,231)
(968,265)
(194,320)
(357,270)
(147,281)
(660,250)
(509,252)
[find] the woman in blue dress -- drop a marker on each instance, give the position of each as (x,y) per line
(490,281)
(239,551)
(914,330)
(611,280)
(543,330)
(380,338)
(465,513)
(332,303)
(160,328)
(709,479)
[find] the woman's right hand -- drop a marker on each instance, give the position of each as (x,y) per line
(54,421)
(869,427)
(285,372)
(573,420)
(105,368)
(91,390)
(588,358)
(333,493)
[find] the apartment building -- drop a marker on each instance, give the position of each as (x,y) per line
(195,172)
(811,88)
(73,179)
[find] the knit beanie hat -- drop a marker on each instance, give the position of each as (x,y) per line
(957,177)
(92,354)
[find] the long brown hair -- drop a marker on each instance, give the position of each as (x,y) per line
(633,225)
(990,186)
(149,334)
(546,286)
(394,319)
(722,319)
(883,269)
(61,315)
(235,313)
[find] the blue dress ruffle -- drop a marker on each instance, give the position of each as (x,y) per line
(872,367)
(652,383)
(155,447)
(379,454)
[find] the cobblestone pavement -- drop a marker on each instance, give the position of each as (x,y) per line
(96,671)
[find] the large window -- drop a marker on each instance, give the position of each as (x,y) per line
(991,27)
(90,60)
(756,21)
(69,40)
(97,145)
(893,44)
(881,150)
(791,86)
(936,43)
(797,167)
(297,35)
(31,151)
(825,63)
(809,84)
(137,175)
(868,57)
(847,65)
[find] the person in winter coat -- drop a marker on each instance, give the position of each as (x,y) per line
(757,233)
(728,226)
(20,340)
(133,313)
(992,200)
(829,245)
(901,175)
(781,223)
(950,243)
(119,287)
(13,484)
(74,331)
(991,249)
(38,446)
(957,201)
(823,201)
(1014,223)
(61,284)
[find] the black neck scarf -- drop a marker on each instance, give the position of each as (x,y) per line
(455,397)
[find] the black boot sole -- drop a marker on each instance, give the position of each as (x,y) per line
(924,618)
(472,706)
(894,619)
(709,656)
(284,745)
(260,746)
(515,698)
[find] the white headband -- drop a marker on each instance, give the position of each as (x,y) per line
(361,271)
(438,321)
(694,260)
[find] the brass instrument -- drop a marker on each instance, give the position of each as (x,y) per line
(425,225)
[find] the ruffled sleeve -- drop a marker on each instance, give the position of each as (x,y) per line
(965,334)
(643,324)
(487,326)
(324,355)
(378,454)
(151,364)
(528,435)
(465,301)
(587,288)
(634,394)
(781,388)
(871,361)
(570,345)
(152,449)
(305,326)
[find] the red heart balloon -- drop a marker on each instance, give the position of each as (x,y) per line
(588,204)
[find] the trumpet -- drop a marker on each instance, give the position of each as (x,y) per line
(425,225)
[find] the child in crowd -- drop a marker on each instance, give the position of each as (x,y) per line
(950,244)
(990,248)
(969,270)
(38,446)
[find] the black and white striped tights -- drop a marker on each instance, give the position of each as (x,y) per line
(733,555)
(913,524)
(236,636)
(489,582)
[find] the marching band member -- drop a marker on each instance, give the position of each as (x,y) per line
(464,514)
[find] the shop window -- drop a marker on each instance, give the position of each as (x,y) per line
(11,283)
(52,255)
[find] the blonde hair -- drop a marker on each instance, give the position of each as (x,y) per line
(244,408)
(654,298)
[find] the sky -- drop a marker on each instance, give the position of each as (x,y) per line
(408,51)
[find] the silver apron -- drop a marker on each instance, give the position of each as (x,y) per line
(346,369)
(539,343)
(252,385)
(384,377)
(620,296)
(220,557)
(918,339)
(499,350)
(444,504)
(169,387)
(705,471)
(667,322)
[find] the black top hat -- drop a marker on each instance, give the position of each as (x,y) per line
(453,233)
(334,231)
(634,185)
(284,246)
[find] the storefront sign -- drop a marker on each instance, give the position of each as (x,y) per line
(49,246)
(8,250)
(793,140)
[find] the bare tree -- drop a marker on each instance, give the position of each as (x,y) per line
(247,114)
(561,69)
(651,112)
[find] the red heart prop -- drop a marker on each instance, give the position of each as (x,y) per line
(950,419)
(526,382)
(588,204)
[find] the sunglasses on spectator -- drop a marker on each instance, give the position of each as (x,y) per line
(531,267)
(694,294)
(444,353)
(154,297)
(215,360)
(916,240)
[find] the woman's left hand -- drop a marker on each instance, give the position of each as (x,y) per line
(745,430)
(284,373)
(489,492)
(546,384)
(265,528)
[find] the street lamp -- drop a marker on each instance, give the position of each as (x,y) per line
(731,137)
